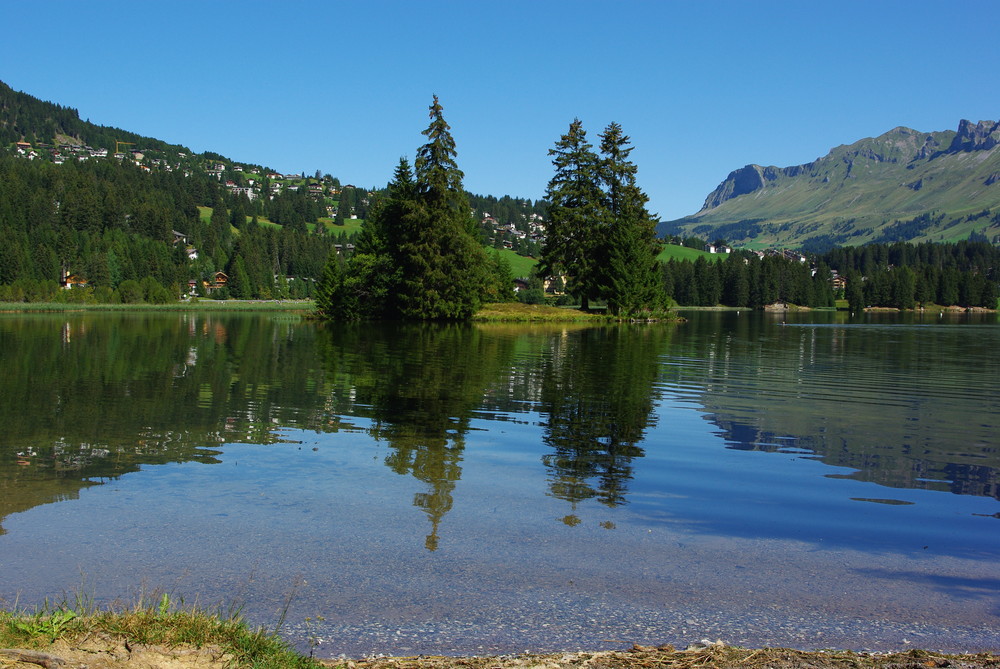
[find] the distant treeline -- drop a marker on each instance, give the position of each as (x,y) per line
(744,280)
(906,275)
(900,275)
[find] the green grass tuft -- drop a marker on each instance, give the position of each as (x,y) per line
(159,621)
(531,313)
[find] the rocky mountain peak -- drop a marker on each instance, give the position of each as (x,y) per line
(980,136)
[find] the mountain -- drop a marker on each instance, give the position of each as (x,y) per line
(903,185)
(24,117)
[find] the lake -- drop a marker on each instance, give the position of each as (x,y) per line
(801,480)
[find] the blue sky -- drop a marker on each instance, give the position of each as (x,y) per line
(702,88)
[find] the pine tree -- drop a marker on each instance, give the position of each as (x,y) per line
(574,236)
(443,266)
(364,287)
(735,282)
(630,279)
(855,292)
(239,282)
(328,289)
(416,256)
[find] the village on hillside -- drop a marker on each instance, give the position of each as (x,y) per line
(523,233)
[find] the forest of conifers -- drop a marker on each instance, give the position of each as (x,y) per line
(115,224)
(899,275)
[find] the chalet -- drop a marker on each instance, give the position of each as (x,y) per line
(23,147)
(555,285)
(520,284)
(73,281)
(722,248)
(218,280)
(179,237)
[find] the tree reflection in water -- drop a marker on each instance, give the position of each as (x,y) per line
(419,384)
(597,397)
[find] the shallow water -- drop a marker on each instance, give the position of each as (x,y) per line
(469,489)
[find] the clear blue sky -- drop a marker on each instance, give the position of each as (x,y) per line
(702,88)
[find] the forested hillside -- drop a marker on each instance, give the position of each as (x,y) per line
(112,225)
(123,217)
(24,118)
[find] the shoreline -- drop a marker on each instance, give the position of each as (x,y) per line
(714,655)
(156,632)
(103,651)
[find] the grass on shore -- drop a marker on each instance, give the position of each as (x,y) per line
(531,313)
(54,633)
(515,312)
(499,312)
(189,305)
(149,622)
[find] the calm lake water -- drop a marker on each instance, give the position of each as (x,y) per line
(469,489)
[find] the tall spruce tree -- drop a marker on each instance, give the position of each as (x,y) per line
(599,232)
(577,209)
(443,266)
(417,256)
(631,280)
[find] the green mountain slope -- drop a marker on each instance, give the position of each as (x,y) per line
(903,185)
(24,117)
